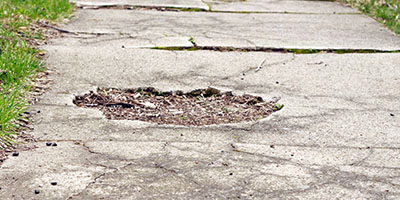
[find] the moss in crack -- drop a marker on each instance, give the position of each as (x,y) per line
(176,48)
(268,49)
(303,51)
(190,9)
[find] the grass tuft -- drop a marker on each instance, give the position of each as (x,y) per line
(18,60)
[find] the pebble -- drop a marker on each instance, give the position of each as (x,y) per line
(149,105)
(48,143)
(391,114)
(54,144)
(53,183)
(37,191)
(15,153)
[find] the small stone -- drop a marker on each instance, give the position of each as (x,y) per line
(181,134)
(37,191)
(231,174)
(149,105)
(54,144)
(53,183)
(272,146)
(38,111)
(15,153)
(277,82)
(391,114)
(137,95)
(48,144)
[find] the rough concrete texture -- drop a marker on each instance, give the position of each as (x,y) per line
(291,6)
(150,3)
(241,30)
(336,138)
(282,6)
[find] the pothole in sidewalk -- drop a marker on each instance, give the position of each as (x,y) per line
(196,108)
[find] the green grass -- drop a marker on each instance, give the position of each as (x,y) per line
(385,11)
(18,60)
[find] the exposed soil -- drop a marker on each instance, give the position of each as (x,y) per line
(195,108)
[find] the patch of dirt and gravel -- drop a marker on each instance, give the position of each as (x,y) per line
(195,108)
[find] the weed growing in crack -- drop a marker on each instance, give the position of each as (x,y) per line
(191,40)
(278,106)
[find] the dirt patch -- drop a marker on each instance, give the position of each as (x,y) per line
(195,108)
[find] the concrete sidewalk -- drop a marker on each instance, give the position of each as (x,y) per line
(336,138)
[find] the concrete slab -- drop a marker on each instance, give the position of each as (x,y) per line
(293,6)
(67,164)
(282,6)
(336,137)
(333,138)
(241,30)
(313,105)
(152,3)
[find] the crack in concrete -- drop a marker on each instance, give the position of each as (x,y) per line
(320,175)
(208,5)
(209,10)
(268,65)
(270,49)
(97,178)
(74,32)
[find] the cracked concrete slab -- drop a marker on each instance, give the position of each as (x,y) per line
(290,6)
(336,137)
(282,6)
(323,138)
(151,3)
(240,30)
(67,164)
(313,105)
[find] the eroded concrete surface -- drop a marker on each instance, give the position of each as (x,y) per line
(154,28)
(336,138)
(290,6)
